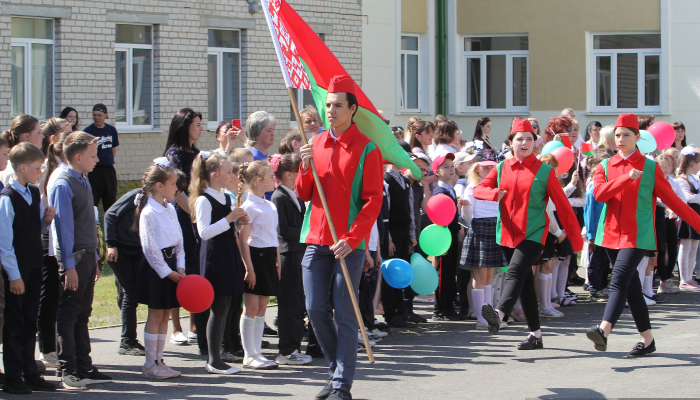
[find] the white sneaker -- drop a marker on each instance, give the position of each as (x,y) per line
(649,301)
(73,382)
(482,326)
(230,371)
(504,324)
(550,312)
(50,359)
(191,337)
(372,343)
(376,332)
(155,371)
(295,358)
(179,339)
(259,362)
(167,368)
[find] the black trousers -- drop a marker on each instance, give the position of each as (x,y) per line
(103,180)
(626,286)
(463,278)
(19,331)
(664,267)
(447,288)
(48,305)
(126,268)
(232,330)
(520,282)
(290,301)
(392,298)
(368,287)
(597,268)
(74,309)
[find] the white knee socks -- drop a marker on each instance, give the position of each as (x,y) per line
(648,285)
(259,329)
(563,276)
(478,298)
(150,342)
(488,297)
(161,347)
(248,336)
(687,254)
(543,291)
(555,275)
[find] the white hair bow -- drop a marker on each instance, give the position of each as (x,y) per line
(479,144)
(161,162)
(688,151)
(205,154)
(137,199)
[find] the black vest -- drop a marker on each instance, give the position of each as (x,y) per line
(399,204)
(26,229)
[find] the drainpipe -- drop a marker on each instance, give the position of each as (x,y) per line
(442,57)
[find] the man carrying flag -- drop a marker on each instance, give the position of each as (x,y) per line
(349,166)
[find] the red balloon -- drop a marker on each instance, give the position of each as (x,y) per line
(565,157)
(664,134)
(441,209)
(195,293)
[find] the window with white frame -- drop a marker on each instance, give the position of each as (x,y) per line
(626,71)
(410,87)
(134,75)
(32,67)
(224,83)
(495,74)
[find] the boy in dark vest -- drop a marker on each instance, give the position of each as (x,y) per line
(402,238)
(76,231)
(22,220)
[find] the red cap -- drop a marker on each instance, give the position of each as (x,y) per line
(439,160)
(342,84)
(521,125)
(627,121)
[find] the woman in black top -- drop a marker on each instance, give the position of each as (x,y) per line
(483,128)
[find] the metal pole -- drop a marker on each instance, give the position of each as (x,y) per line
(343,266)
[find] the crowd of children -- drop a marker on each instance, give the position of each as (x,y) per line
(233,216)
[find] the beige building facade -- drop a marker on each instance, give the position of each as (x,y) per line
(531,58)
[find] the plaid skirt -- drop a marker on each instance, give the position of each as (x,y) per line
(480,248)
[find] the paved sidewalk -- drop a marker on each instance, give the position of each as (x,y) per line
(445,360)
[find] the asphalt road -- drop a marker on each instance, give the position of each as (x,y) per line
(445,360)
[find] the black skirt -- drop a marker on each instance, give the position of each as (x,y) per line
(156,292)
(548,251)
(685,231)
(480,248)
(267,281)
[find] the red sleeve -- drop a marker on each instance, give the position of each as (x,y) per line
(372,191)
(603,190)
(488,188)
(304,184)
(664,191)
(565,212)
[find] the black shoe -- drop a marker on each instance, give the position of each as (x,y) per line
(596,335)
(576,281)
(531,343)
(399,322)
(2,378)
(491,316)
(131,349)
(265,344)
(326,391)
(338,394)
(640,351)
(38,384)
(16,386)
(453,316)
(382,326)
(269,331)
(416,319)
(657,298)
(94,376)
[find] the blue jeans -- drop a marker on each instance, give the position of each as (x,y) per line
(323,278)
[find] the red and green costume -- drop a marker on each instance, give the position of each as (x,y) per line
(628,217)
(350,171)
(522,211)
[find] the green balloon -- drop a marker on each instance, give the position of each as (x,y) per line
(435,240)
(551,146)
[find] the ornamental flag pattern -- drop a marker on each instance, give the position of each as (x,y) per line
(293,70)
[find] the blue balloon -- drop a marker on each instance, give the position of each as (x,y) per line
(551,146)
(647,142)
(425,277)
(397,273)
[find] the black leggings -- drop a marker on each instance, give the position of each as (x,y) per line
(215,328)
(520,282)
(664,268)
(626,286)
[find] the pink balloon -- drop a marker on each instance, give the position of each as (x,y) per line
(565,157)
(441,209)
(664,134)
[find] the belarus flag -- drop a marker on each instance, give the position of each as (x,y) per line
(307,63)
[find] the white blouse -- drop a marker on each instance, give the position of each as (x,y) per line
(478,208)
(159,229)
(263,218)
(203,208)
(685,187)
